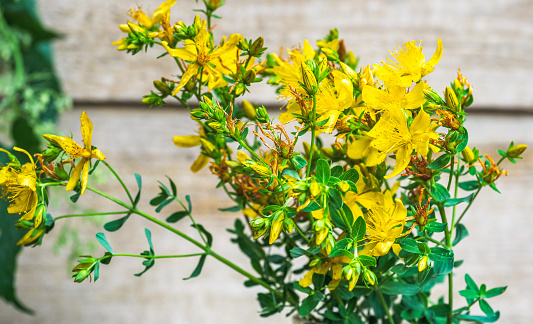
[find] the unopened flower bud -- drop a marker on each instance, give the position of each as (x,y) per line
(249,110)
(275,229)
(40,214)
(451,99)
(422,263)
(314,262)
(288,224)
(257,46)
(249,76)
(433,97)
(516,151)
(314,188)
(258,223)
(369,277)
(468,155)
(350,73)
(260,170)
(187,141)
(136,29)
(457,86)
(309,79)
(209,148)
(262,115)
(216,126)
(162,87)
(239,89)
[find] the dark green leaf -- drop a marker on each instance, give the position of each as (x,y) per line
(462,139)
(359,229)
(100,237)
(312,207)
(351,175)
(423,247)
(440,162)
(322,171)
(149,238)
(309,304)
(163,204)
(471,284)
(440,310)
(291,173)
(198,268)
(439,192)
(231,209)
(188,199)
(177,216)
(460,233)
(336,171)
(367,260)
(74,198)
(469,185)
(340,245)
(436,227)
(399,288)
(318,280)
(411,314)
(335,198)
(441,254)
(410,245)
(116,224)
(454,201)
(443,267)
(484,319)
(299,162)
(96,271)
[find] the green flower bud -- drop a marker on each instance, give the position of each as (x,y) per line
(257,46)
(516,151)
(288,224)
(249,76)
(347,272)
(239,89)
(468,155)
(451,99)
(262,115)
(369,277)
(258,223)
(162,87)
(309,79)
(422,263)
(433,97)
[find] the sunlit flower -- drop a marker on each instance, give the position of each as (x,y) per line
(201,55)
(18,184)
(410,65)
(157,16)
(394,97)
(392,134)
(76,151)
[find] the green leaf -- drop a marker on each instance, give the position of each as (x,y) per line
(116,224)
(340,245)
(454,201)
(359,229)
(443,267)
(439,192)
(139,181)
(231,209)
(441,254)
(440,310)
(313,205)
(74,198)
(335,198)
(318,280)
(495,292)
(188,199)
(410,245)
(309,304)
(399,288)
(351,175)
(475,318)
(460,233)
(423,247)
(198,268)
(467,293)
(471,284)
(436,227)
(149,238)
(299,162)
(291,173)
(100,237)
(177,216)
(96,271)
(322,171)
(440,162)
(367,260)
(411,314)
(163,204)
(469,185)
(462,139)
(336,171)
(485,307)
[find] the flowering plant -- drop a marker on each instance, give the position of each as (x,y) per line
(374,200)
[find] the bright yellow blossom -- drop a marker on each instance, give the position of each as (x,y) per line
(410,66)
(201,55)
(335,264)
(18,184)
(157,16)
(394,97)
(391,134)
(76,151)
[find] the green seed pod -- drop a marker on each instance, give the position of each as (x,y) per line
(249,76)
(162,87)
(239,89)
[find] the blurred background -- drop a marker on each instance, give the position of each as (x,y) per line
(491,41)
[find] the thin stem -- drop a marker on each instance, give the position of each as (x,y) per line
(346,222)
(456,191)
(119,180)
(313,131)
(385,306)
(158,256)
(467,207)
(452,164)
(450,275)
(301,233)
(433,240)
(89,214)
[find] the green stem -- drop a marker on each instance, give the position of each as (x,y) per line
(456,191)
(313,131)
(345,220)
(206,249)
(385,307)
(432,240)
(467,207)
(452,164)
(447,236)
(301,233)
(90,214)
(158,256)
(119,180)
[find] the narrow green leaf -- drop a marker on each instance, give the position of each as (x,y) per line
(177,216)
(471,284)
(100,237)
(359,229)
(96,271)
(475,318)
(116,224)
(139,181)
(485,307)
(436,227)
(469,185)
(188,199)
(410,245)
(231,209)
(454,201)
(163,204)
(440,162)
(291,173)
(149,238)
(322,171)
(460,233)
(495,292)
(198,268)
(467,293)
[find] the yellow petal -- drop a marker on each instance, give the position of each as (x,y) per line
(437,55)
(161,11)
(200,162)
(75,174)
(67,144)
(192,70)
(84,176)
(181,53)
(403,157)
(86,130)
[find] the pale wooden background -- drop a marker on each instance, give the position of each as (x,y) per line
(490,41)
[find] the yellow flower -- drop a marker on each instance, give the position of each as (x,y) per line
(323,266)
(384,225)
(201,55)
(76,151)
(394,97)
(391,134)
(157,16)
(333,97)
(18,184)
(410,66)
